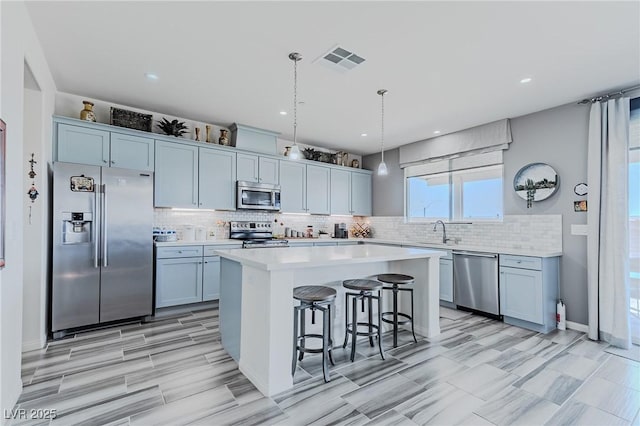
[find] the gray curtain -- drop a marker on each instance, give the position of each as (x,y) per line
(607,217)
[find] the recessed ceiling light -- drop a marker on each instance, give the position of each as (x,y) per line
(283,112)
(437,132)
(151,76)
(526,80)
(363,134)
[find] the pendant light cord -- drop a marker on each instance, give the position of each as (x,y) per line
(295,101)
(382,125)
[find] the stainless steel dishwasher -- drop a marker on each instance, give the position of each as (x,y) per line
(475,281)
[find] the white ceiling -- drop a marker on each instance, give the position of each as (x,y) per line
(447,65)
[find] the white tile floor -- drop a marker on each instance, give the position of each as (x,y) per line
(477,372)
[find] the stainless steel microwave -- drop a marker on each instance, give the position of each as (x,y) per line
(258,196)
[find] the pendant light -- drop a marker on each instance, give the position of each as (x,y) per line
(295,154)
(382,167)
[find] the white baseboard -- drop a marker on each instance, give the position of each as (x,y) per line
(577,326)
(32,345)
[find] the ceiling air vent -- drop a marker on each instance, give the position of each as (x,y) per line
(340,59)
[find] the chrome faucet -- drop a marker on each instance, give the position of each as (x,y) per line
(444,230)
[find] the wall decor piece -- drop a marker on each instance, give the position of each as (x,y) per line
(172,128)
(581,189)
(198,134)
(580,206)
(535,182)
(87,113)
(355,163)
(130,119)
(3,196)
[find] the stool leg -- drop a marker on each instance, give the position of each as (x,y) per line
(346,319)
(380,326)
(354,328)
(370,300)
(412,329)
(330,350)
(302,333)
(325,346)
(295,341)
(395,315)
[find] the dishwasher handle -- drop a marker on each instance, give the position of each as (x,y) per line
(468,253)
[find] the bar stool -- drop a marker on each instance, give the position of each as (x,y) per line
(396,280)
(313,297)
(365,289)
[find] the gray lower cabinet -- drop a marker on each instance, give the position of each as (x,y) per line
(211,278)
(446,280)
(188,274)
(529,291)
(178,281)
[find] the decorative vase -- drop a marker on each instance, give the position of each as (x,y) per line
(197,134)
(224,139)
(208,128)
(87,113)
(287,151)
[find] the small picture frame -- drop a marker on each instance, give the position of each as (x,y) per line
(580,206)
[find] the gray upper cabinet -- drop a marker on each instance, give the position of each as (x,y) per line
(255,168)
(293,187)
(360,194)
(176,176)
(84,145)
(340,192)
(268,170)
(247,167)
(132,152)
(318,189)
(98,147)
(217,179)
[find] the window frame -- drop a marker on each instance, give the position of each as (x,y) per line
(456,209)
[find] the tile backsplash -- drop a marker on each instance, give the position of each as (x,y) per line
(218,220)
(533,232)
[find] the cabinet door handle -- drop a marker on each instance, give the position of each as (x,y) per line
(113,162)
(104,161)
(179,251)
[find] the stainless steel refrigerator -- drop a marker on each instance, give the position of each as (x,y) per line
(102,245)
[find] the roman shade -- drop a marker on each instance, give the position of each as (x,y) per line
(495,136)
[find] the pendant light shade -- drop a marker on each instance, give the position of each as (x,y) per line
(382,167)
(295,153)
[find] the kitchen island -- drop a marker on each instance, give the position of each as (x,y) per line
(256,298)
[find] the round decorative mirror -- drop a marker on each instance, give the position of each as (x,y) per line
(535,182)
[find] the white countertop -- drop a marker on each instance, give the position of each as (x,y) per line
(305,257)
(430,245)
(466,247)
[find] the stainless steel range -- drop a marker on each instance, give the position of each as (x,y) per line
(255,235)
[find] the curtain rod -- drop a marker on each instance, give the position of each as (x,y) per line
(608,95)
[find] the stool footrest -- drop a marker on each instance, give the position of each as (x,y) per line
(374,327)
(400,322)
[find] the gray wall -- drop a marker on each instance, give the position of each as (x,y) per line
(388,196)
(556,136)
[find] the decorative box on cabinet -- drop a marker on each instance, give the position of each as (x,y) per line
(529,291)
(88,143)
(254,139)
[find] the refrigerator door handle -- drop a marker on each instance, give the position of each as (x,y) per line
(96,235)
(104,225)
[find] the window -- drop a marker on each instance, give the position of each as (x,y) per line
(468,195)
